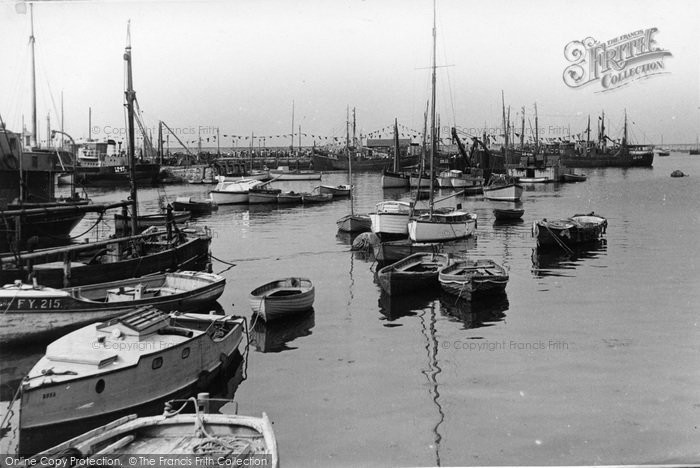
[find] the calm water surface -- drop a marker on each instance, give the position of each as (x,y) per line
(587,360)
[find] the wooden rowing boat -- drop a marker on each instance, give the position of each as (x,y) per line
(135,359)
(337,191)
(415,272)
(578,229)
(504,214)
(195,205)
(196,429)
(281,298)
(465,278)
(32,311)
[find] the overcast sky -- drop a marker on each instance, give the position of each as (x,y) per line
(238,65)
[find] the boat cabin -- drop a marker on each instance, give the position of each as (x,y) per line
(140,323)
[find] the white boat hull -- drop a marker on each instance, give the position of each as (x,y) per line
(223,197)
(130,381)
(505,193)
(442,228)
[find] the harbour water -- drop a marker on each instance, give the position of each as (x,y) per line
(588,360)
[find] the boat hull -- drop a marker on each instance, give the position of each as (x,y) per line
(354,223)
(146,174)
(224,197)
(467,279)
(192,254)
(583,229)
(31,314)
(510,192)
(415,272)
(282,298)
(394,180)
(295,175)
(130,383)
(122,224)
(195,206)
(325,163)
(442,227)
(508,215)
(337,192)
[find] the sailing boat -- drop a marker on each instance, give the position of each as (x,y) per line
(696,150)
(112,259)
(445,224)
(661,151)
(353,222)
(27,176)
(395,178)
(502,187)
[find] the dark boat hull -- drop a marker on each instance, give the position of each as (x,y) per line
(555,234)
(193,254)
(326,163)
(146,174)
(620,158)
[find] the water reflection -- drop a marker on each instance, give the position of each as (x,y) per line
(550,262)
(224,385)
(407,305)
(431,373)
(481,312)
(274,337)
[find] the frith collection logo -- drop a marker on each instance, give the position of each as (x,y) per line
(616,62)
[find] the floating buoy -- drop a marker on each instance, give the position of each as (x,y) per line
(677,173)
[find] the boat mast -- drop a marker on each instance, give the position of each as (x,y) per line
(588,132)
(432,116)
(130,96)
(624,137)
(522,130)
(505,129)
(347,153)
(537,133)
(291,150)
(396,145)
(160,141)
(33,140)
(89,123)
(354,123)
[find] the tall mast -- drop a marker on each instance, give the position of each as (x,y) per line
(505,130)
(588,131)
(432,114)
(522,130)
(61,119)
(624,141)
(347,130)
(89,123)
(218,145)
(33,140)
(397,154)
(48,130)
(130,96)
(292,147)
(160,141)
(347,153)
(537,133)
(354,140)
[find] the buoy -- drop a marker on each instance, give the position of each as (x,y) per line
(677,173)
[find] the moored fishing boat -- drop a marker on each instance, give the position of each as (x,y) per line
(355,223)
(507,214)
(573,177)
(395,178)
(281,298)
(289,198)
(502,188)
(233,193)
(337,191)
(178,435)
(259,195)
(393,251)
(122,223)
(309,198)
(578,229)
(417,271)
(195,205)
(390,220)
(140,357)
(31,311)
(442,225)
(284,173)
(466,278)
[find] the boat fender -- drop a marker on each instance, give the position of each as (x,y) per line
(535,229)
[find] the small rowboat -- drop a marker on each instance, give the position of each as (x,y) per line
(195,206)
(579,229)
(243,440)
(31,311)
(260,195)
(504,214)
(465,278)
(417,271)
(354,223)
(337,191)
(282,297)
(574,177)
(309,198)
(287,198)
